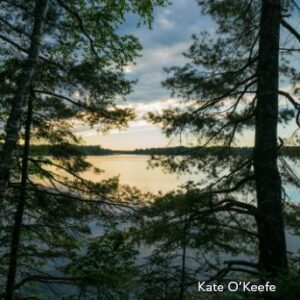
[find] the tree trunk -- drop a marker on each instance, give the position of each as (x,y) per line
(272,244)
(13,256)
(13,124)
(183,258)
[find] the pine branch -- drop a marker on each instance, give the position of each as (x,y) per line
(295,104)
(25,51)
(227,94)
(52,279)
(236,187)
(224,272)
(79,104)
(81,26)
(19,6)
(290,98)
(241,263)
(290,28)
(18,30)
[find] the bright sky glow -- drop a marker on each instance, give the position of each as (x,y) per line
(163,47)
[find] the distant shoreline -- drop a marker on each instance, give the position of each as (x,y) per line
(74,150)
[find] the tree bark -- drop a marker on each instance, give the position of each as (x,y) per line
(13,256)
(13,124)
(272,243)
(183,259)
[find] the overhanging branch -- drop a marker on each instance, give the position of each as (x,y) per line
(81,26)
(290,28)
(295,104)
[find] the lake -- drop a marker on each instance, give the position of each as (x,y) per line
(134,170)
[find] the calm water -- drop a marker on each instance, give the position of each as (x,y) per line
(134,170)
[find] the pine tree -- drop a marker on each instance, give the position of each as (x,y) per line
(188,234)
(82,54)
(231,86)
(74,70)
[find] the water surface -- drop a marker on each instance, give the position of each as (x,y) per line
(134,170)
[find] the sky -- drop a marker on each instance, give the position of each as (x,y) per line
(162,47)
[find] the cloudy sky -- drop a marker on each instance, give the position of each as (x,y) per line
(163,46)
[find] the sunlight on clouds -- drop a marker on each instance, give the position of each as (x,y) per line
(165,23)
(142,108)
(128,69)
(139,134)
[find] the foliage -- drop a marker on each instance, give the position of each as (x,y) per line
(190,234)
(80,78)
(107,266)
(217,89)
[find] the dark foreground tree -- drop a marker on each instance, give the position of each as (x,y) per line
(18,222)
(53,214)
(72,39)
(188,237)
(272,244)
(23,84)
(230,86)
(70,55)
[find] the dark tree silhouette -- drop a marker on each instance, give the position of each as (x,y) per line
(70,56)
(230,85)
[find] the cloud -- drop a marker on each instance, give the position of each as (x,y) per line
(149,71)
(155,58)
(164,20)
(142,108)
(139,132)
(163,46)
